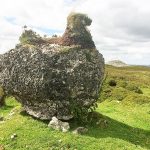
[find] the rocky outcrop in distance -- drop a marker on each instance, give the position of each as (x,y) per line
(117,63)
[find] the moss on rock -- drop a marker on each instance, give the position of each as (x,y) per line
(76,32)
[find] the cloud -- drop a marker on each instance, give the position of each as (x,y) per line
(43,16)
(120,28)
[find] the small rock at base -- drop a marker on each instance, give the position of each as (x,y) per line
(59,125)
(54,123)
(80,130)
(13,136)
(65,126)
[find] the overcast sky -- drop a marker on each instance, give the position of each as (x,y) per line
(120,28)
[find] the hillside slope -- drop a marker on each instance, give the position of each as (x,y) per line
(125,108)
(117,63)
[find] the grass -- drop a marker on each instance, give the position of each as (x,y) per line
(128,123)
(146,91)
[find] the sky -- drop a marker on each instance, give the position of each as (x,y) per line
(120,28)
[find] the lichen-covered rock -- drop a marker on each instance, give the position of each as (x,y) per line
(50,79)
(76,32)
(54,80)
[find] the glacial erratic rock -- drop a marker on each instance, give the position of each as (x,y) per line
(49,80)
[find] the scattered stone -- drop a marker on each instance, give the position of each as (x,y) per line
(54,123)
(105,122)
(60,141)
(13,136)
(65,126)
(118,101)
(59,125)
(102,123)
(80,130)
(11,114)
(2,147)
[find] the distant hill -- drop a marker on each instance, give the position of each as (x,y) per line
(117,63)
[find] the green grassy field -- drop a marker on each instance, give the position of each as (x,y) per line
(126,110)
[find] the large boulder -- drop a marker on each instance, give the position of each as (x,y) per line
(50,80)
(54,79)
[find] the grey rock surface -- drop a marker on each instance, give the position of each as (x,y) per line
(59,125)
(49,79)
(80,130)
(13,136)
